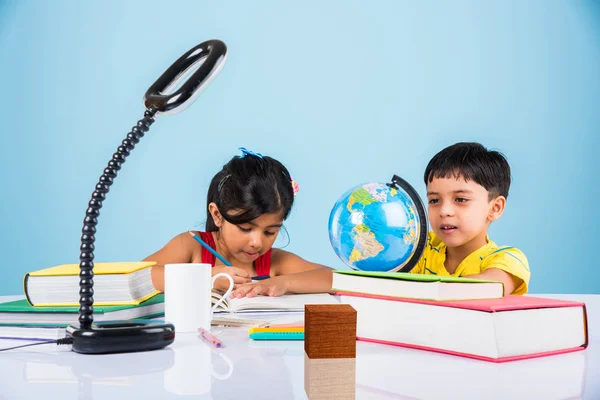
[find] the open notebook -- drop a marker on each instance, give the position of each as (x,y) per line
(290,302)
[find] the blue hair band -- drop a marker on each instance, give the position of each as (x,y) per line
(246,152)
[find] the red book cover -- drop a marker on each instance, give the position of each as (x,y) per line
(507,303)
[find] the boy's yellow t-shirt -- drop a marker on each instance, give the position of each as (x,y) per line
(490,255)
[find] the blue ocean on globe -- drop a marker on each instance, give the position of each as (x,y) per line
(374,227)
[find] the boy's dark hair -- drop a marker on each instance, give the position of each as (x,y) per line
(472,162)
(250,185)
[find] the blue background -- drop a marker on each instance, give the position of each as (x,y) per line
(342,92)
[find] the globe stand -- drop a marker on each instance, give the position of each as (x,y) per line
(399,183)
(136,335)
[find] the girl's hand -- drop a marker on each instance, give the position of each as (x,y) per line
(238,275)
(269,287)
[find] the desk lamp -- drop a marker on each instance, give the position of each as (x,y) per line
(137,335)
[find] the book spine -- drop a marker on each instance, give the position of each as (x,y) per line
(585,326)
(25,282)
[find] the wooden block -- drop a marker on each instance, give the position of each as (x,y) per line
(330,378)
(330,331)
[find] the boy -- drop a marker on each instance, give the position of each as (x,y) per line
(467,187)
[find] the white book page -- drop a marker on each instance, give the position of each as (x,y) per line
(290,302)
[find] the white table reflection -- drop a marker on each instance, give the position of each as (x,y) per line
(192,368)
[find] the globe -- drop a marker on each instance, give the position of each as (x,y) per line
(379,227)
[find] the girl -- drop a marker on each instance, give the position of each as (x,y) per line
(247,202)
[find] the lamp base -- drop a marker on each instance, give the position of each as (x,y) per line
(121,336)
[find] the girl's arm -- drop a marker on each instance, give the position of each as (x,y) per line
(184,249)
(290,274)
(180,249)
(300,276)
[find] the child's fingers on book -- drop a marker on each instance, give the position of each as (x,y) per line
(241,290)
(244,291)
(240,272)
(223,283)
(240,280)
(258,290)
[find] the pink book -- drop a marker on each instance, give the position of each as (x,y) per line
(498,330)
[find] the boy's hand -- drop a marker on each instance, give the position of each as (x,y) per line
(238,275)
(269,287)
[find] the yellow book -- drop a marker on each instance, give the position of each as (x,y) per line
(282,332)
(288,328)
(99,268)
(115,284)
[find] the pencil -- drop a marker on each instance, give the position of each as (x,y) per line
(206,335)
(207,247)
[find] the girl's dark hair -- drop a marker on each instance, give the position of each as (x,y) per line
(472,162)
(251,186)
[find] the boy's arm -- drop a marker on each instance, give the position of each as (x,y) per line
(510,282)
(508,265)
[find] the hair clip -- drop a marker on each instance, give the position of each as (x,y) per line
(221,182)
(246,152)
(295,187)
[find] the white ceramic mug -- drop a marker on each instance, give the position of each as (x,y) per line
(188,290)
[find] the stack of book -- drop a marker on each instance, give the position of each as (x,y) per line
(122,291)
(460,316)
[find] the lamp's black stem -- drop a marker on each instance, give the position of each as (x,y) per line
(86,257)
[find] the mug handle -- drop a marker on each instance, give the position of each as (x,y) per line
(222,299)
(222,377)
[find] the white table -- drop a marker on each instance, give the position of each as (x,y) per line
(276,370)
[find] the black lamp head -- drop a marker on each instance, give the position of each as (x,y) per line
(127,336)
(212,54)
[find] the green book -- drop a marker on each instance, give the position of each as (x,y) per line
(20,312)
(416,286)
